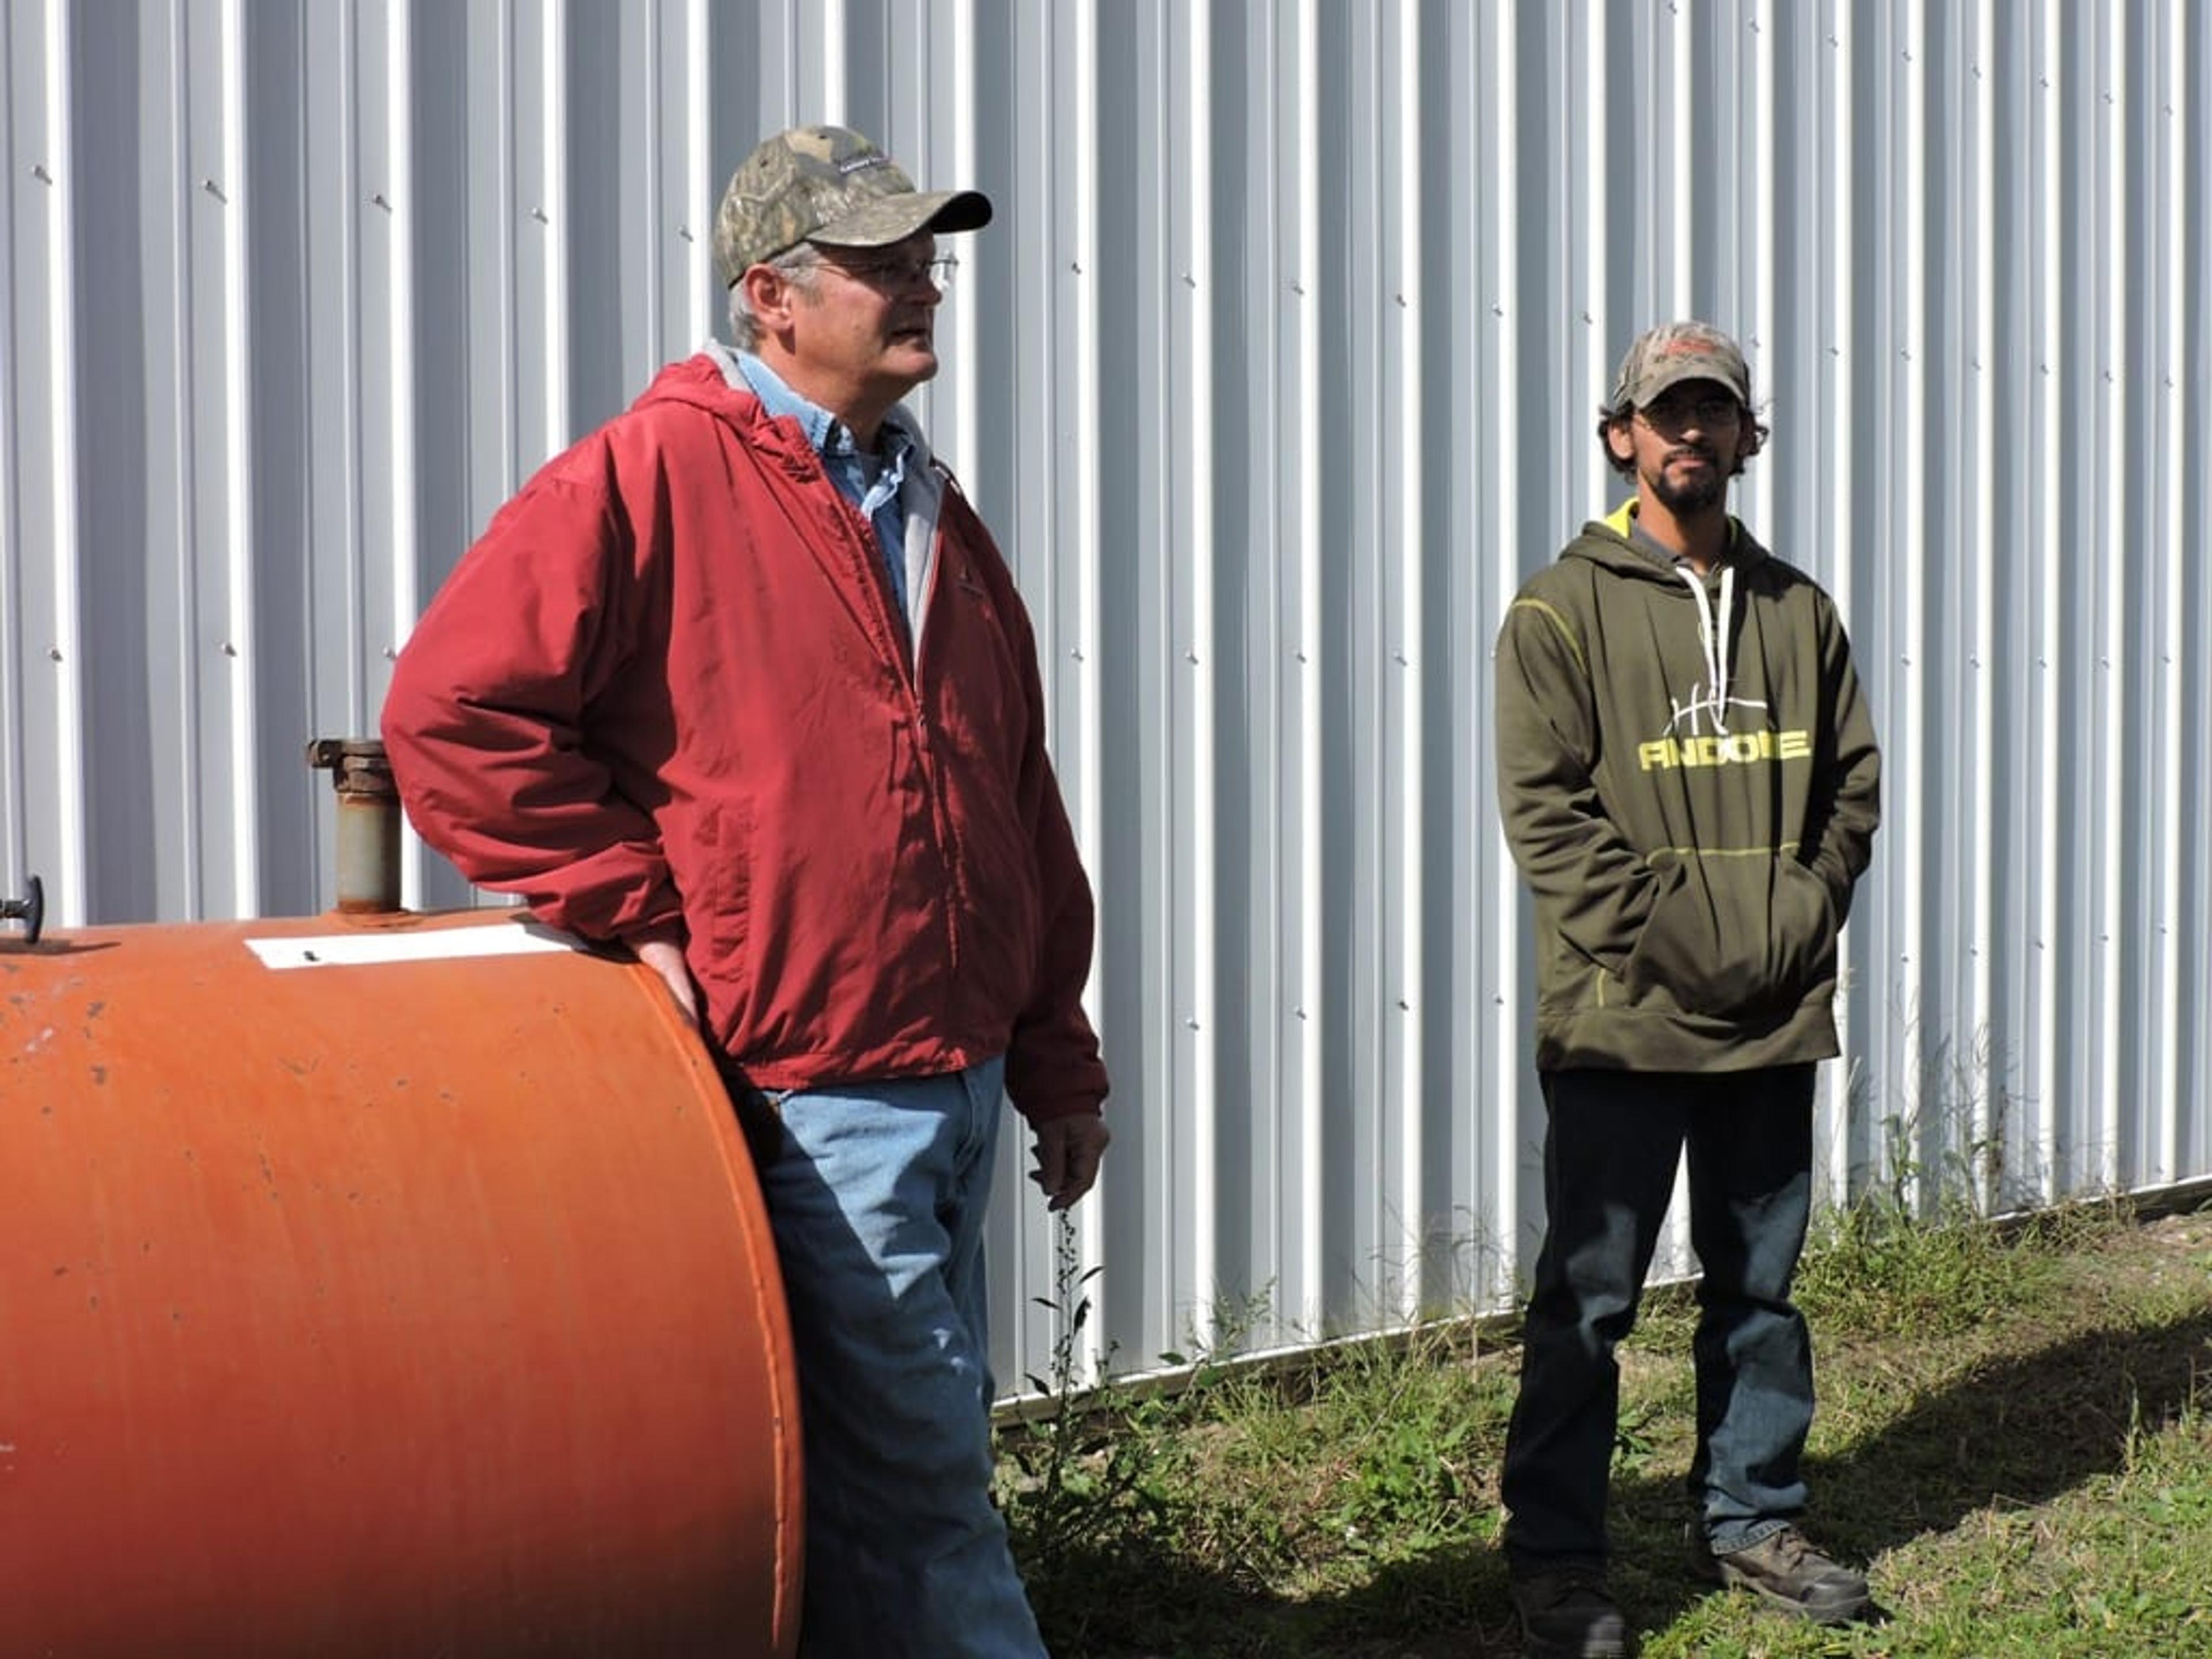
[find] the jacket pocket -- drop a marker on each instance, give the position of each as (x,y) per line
(723,920)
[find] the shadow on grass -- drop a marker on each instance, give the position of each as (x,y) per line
(2018,1433)
(1450,1604)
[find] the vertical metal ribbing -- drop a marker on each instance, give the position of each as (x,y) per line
(2048,560)
(406,555)
(242,657)
(1836,352)
(558,224)
(1982,553)
(1403,988)
(707,299)
(1085,555)
(66,654)
(1303,704)
(2115,301)
(1904,367)
(1199,786)
(1507,1066)
(2163,375)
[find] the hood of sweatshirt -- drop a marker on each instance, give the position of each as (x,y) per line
(1611,544)
(711,381)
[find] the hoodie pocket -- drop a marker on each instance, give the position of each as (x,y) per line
(1802,932)
(1735,935)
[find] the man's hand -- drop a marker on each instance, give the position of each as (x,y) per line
(1068,1153)
(665,957)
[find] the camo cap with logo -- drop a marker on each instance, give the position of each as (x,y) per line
(1674,352)
(832,185)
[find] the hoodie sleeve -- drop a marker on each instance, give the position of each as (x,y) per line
(486,718)
(1838,838)
(1574,857)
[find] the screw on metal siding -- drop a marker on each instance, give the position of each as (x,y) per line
(214,190)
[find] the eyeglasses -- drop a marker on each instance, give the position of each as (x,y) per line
(1700,408)
(899,276)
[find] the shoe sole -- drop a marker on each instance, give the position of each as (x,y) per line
(1842,1613)
(1533,1646)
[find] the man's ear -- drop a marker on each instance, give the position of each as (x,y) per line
(1749,439)
(1619,441)
(770,293)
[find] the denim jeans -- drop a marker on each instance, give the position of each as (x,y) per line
(1611,1147)
(876,1194)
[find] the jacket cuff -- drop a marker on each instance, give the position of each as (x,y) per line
(1051,1111)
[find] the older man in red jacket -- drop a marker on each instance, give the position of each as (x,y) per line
(741,682)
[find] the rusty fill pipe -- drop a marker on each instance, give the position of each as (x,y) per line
(369,823)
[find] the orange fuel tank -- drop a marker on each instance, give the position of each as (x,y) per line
(398,1287)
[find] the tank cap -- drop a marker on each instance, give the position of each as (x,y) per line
(30,910)
(358,766)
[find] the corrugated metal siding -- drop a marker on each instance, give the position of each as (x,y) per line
(1276,375)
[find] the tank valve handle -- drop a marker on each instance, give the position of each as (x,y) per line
(30,910)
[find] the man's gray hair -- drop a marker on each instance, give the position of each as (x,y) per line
(797,265)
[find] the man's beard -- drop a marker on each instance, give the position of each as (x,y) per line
(1695,495)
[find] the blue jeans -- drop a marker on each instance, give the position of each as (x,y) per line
(876,1193)
(1610,1150)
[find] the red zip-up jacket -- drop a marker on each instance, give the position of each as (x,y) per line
(669,690)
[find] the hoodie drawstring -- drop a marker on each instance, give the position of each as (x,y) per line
(1715,635)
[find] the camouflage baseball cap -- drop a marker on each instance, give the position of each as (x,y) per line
(1674,352)
(828,185)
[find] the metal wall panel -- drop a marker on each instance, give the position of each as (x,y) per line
(1276,375)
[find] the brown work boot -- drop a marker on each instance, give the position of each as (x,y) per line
(1785,1569)
(1566,1613)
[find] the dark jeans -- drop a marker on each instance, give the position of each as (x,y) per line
(1610,1151)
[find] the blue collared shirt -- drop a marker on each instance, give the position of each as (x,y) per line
(881,499)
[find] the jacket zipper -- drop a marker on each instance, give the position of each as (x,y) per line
(907,664)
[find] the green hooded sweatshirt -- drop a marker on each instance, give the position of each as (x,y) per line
(1688,778)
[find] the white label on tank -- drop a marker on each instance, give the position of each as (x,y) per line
(440,945)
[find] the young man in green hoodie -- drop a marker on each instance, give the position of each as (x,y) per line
(1688,778)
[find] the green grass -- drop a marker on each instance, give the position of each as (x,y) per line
(2012,1438)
